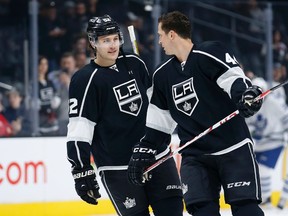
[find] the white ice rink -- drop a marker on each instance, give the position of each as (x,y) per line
(268,212)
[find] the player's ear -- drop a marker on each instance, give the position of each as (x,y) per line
(171,34)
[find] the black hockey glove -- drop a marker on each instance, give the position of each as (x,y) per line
(245,106)
(86,185)
(140,160)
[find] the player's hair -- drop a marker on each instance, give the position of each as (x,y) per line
(177,22)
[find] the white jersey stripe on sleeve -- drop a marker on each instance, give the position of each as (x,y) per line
(86,90)
(211,56)
(78,154)
(226,80)
(159,119)
(80,129)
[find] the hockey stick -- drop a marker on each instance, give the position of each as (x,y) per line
(208,130)
(133,39)
(6,86)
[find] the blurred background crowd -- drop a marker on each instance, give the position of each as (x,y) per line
(63,47)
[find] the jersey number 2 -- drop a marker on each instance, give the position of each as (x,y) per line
(73,102)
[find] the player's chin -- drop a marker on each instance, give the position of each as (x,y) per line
(167,52)
(113,55)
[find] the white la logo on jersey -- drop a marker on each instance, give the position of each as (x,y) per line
(128,97)
(185,97)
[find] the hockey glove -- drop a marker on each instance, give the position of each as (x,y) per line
(140,160)
(246,106)
(86,185)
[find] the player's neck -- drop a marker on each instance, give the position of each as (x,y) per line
(183,50)
(104,62)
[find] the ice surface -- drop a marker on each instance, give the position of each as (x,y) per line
(268,212)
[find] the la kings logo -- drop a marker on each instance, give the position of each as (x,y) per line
(128,97)
(185,97)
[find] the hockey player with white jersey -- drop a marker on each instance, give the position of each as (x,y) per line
(268,128)
(108,106)
(199,85)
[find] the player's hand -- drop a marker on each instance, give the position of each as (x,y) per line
(86,185)
(246,106)
(141,159)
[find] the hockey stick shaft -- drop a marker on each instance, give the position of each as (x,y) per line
(6,86)
(208,130)
(264,94)
(133,39)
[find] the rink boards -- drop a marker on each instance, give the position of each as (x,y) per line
(35,179)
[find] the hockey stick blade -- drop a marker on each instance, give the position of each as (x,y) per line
(208,130)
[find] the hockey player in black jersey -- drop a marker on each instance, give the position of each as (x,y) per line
(108,106)
(195,88)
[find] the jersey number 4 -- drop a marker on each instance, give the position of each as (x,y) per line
(229,59)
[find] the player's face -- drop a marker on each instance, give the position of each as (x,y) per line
(108,47)
(164,40)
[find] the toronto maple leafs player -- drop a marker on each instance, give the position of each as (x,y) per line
(197,87)
(108,106)
(268,128)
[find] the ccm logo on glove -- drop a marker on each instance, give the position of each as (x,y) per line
(144,150)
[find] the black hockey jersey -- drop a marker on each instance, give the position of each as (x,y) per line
(196,94)
(107,113)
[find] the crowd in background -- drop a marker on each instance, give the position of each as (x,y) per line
(63,49)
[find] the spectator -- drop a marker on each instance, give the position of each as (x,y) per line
(49,102)
(92,6)
(279,75)
(61,80)
(80,44)
(255,28)
(68,20)
(81,17)
(81,59)
(279,48)
(51,34)
(15,113)
(62,111)
(5,127)
(67,65)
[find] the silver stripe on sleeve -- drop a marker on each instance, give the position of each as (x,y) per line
(226,80)
(211,56)
(160,120)
(162,66)
(80,129)
(78,154)
(86,90)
